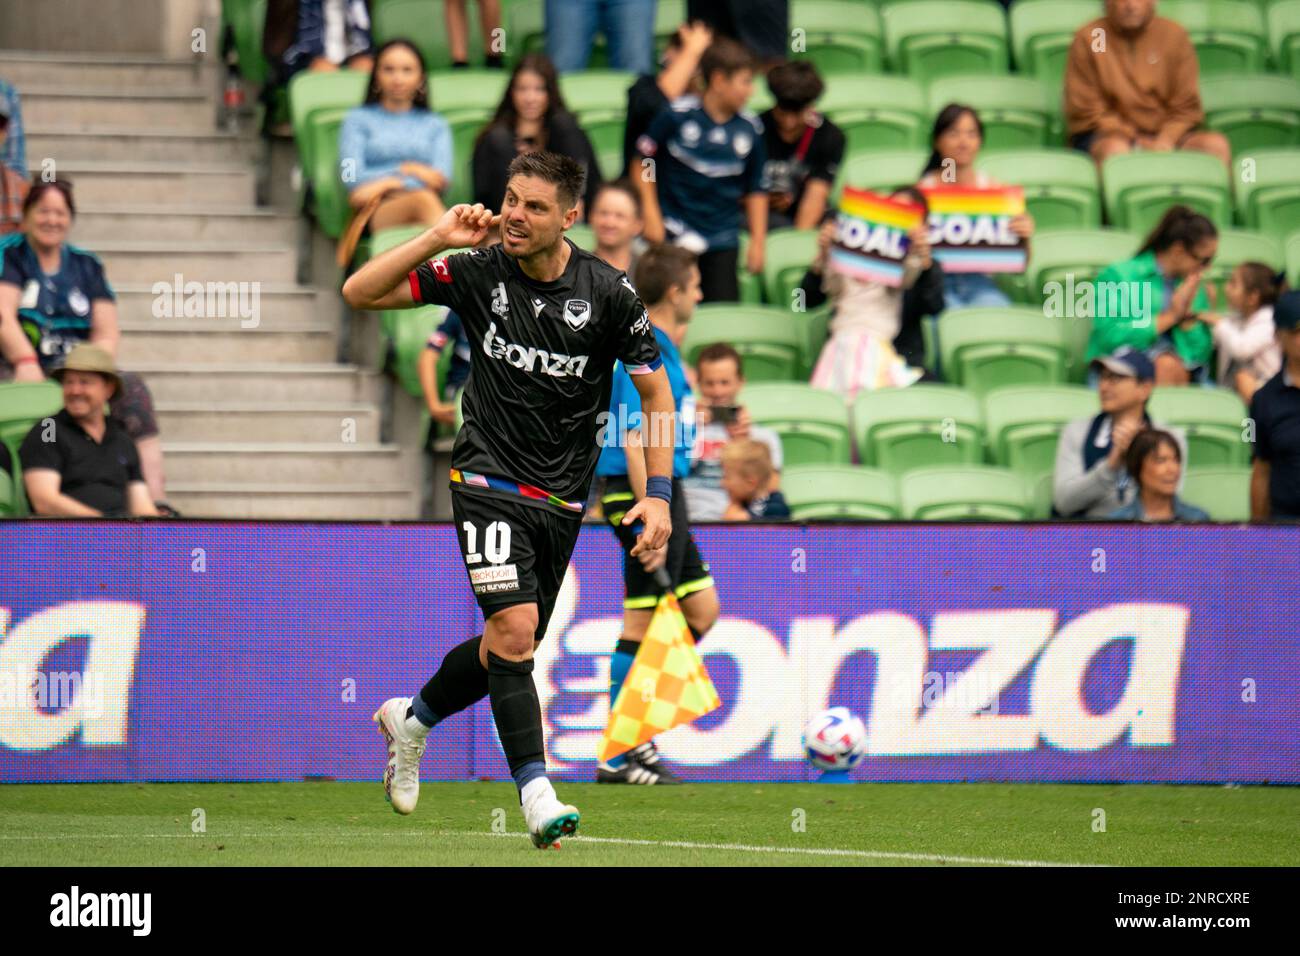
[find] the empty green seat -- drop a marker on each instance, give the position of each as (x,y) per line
(877,112)
(424,23)
(838,36)
(453,92)
(840,493)
(1293,260)
(525,22)
(596,90)
(815,324)
(987,348)
(1268,191)
(1041,34)
(1212,418)
(1284,34)
(1041,494)
(932,38)
(1229,35)
(1139,187)
(410,336)
(813,424)
(900,429)
(1061,190)
(787,255)
(769,341)
(309,93)
(880,172)
(1024,423)
(970,493)
(1015,111)
(22,405)
(1223,493)
(246,19)
(327,192)
(1254,112)
(1070,258)
(1237,246)
(465,127)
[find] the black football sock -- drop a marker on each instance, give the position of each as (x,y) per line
(461,682)
(698,635)
(518,715)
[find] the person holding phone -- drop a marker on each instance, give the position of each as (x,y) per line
(720,420)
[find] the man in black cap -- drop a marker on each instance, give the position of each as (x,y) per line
(1275,411)
(79,463)
(1090,480)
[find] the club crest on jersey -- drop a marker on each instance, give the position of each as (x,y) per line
(576,313)
(440,270)
(743,144)
(690,132)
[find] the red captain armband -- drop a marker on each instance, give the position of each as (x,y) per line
(414,280)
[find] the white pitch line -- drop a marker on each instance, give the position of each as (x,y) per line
(616,841)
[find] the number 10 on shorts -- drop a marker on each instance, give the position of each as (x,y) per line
(496,542)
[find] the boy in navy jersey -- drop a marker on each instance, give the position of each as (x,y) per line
(708,153)
(546,322)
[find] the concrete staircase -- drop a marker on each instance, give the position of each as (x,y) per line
(259,418)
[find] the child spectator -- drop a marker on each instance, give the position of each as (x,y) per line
(867,318)
(1156,463)
(489,21)
(709,155)
(804,148)
(650,95)
(393,146)
(955,144)
(746,474)
(1248,353)
(530,117)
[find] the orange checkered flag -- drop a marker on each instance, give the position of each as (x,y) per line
(667,685)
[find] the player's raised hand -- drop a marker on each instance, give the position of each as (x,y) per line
(463,225)
(653,514)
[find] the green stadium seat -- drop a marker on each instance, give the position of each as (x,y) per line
(465,127)
(881,172)
(930,38)
(813,424)
(984,349)
(1293,260)
(410,335)
(751,286)
(769,340)
(787,255)
(969,493)
(455,92)
(838,36)
(669,15)
(1041,34)
(816,329)
(525,22)
(1237,246)
(1229,35)
(8,496)
(901,429)
(1268,191)
(246,19)
(596,90)
(1061,190)
(328,195)
(1223,493)
(424,23)
(1041,495)
(1139,187)
(840,493)
(1016,110)
(877,112)
(610,160)
(1213,419)
(1284,34)
(1024,424)
(22,405)
(332,93)
(582,236)
(1254,112)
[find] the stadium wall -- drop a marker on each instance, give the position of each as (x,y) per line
(247,651)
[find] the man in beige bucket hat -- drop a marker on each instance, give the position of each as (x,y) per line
(79,463)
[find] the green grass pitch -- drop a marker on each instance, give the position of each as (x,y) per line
(700,824)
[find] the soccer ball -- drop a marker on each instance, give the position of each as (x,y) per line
(835,739)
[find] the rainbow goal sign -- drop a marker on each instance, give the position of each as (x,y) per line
(970,229)
(871,236)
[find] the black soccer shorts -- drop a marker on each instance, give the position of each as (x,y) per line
(686,568)
(514,553)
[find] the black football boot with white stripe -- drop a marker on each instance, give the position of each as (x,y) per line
(647,755)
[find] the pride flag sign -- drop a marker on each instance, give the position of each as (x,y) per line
(970,229)
(871,236)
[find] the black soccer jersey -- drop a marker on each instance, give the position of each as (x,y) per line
(541,369)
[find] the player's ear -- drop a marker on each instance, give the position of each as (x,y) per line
(571,216)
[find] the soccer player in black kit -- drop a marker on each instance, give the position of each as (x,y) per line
(546,321)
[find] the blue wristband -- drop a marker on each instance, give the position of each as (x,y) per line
(658,486)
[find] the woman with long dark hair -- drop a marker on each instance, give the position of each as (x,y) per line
(955,143)
(394,146)
(1153,301)
(530,117)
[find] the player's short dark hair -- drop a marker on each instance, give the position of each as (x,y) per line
(569,177)
(718,352)
(795,85)
(727,55)
(1144,444)
(623,186)
(661,267)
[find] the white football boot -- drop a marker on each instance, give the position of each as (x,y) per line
(402,775)
(547,818)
